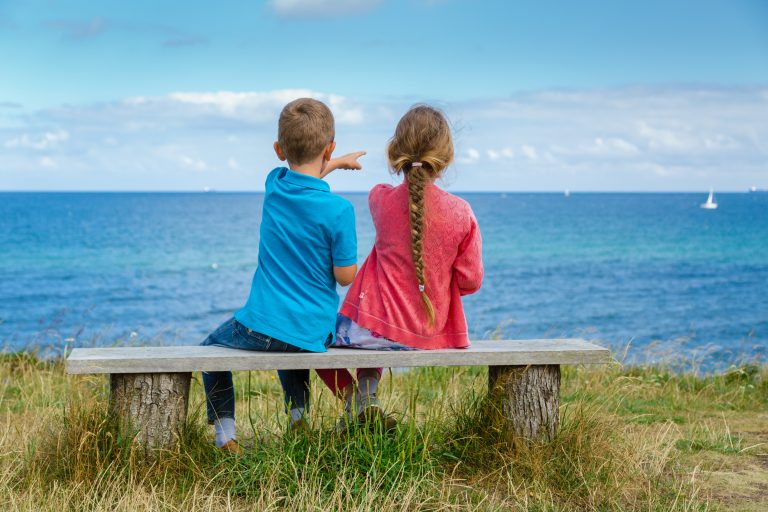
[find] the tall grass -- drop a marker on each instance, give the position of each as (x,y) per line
(630,439)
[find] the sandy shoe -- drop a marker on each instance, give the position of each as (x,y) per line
(374,415)
(232,447)
(343,425)
(299,426)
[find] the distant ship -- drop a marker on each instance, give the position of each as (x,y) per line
(710,204)
(567,193)
(754,189)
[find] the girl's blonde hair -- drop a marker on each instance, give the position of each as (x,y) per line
(423,138)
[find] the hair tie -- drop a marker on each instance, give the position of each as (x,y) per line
(421,288)
(415,164)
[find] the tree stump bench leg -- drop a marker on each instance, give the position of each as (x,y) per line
(528,397)
(152,405)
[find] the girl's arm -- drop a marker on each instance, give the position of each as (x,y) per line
(468,267)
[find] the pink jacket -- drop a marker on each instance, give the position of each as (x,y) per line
(384,296)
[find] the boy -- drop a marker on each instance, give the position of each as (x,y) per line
(307,245)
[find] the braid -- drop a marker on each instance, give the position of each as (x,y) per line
(421,149)
(417,181)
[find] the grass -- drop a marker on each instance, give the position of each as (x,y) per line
(639,438)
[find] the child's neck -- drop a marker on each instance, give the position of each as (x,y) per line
(313,168)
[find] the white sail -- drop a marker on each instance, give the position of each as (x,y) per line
(710,204)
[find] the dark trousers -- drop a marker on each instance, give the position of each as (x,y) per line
(219,391)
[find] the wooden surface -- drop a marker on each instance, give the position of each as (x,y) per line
(528,398)
(150,406)
(199,358)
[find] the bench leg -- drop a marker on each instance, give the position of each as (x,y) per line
(529,399)
(152,405)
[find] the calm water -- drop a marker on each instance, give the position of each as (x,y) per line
(653,269)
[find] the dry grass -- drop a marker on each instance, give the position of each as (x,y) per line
(631,439)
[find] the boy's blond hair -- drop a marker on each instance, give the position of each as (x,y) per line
(305,128)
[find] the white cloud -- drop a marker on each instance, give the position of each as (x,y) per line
(666,138)
(638,138)
(321,8)
(250,106)
(42,142)
(496,154)
(529,152)
(719,141)
(47,162)
(610,146)
(136,100)
(230,102)
(343,112)
(193,163)
(471,155)
(623,138)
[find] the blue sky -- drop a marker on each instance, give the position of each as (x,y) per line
(543,95)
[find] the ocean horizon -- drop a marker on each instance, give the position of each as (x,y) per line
(651,271)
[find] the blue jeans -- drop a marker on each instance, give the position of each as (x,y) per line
(219,392)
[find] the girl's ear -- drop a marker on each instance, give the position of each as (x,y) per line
(329,150)
(279,152)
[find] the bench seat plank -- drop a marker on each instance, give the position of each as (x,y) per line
(210,358)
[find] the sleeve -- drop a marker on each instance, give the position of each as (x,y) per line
(468,266)
(373,199)
(271,177)
(344,249)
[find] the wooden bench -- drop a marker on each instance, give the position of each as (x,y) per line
(149,386)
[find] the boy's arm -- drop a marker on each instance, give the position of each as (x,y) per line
(348,161)
(344,245)
(345,275)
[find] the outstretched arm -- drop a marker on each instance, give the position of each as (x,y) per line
(348,161)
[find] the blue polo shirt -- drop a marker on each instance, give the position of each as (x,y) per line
(305,231)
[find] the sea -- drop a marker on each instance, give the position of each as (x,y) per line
(651,275)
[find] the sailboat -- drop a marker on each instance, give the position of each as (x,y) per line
(710,204)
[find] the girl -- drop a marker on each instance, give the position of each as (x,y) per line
(427,254)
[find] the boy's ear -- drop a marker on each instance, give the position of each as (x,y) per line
(329,150)
(279,152)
